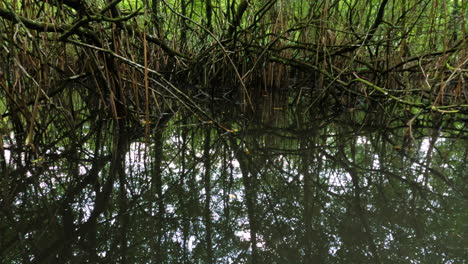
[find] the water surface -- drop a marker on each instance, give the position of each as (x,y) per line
(283,185)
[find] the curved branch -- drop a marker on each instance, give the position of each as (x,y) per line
(238,17)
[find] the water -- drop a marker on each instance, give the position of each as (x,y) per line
(284,185)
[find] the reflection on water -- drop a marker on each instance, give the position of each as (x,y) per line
(279,187)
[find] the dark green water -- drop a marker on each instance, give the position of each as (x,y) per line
(282,186)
